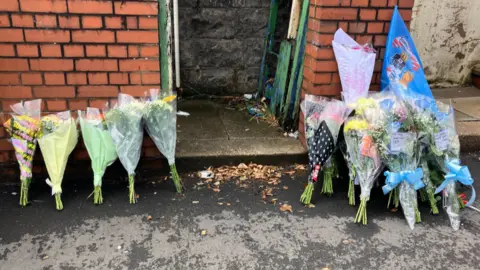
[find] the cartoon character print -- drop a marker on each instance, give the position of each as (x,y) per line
(402,64)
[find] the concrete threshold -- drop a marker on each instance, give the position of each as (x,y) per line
(214,135)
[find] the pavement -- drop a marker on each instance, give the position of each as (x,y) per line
(239,230)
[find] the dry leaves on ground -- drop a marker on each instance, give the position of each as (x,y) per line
(286,208)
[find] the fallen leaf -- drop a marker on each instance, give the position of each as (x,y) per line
(394,210)
(216,190)
(242,166)
(300,167)
(310,205)
(137,196)
(290,173)
(274,201)
(228,204)
(220,203)
(195,202)
(45,257)
(346,241)
(286,208)
(204,232)
(149,218)
(216,183)
(208,180)
(243,178)
(285,187)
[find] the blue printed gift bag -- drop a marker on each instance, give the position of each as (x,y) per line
(402,66)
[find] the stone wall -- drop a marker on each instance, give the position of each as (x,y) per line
(221,44)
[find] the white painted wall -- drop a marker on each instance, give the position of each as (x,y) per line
(447,37)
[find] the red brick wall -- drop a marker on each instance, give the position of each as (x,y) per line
(75,53)
(364,20)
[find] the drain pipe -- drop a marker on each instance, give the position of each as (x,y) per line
(177,43)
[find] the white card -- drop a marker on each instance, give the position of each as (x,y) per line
(398,141)
(441,140)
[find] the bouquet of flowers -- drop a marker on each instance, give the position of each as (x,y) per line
(397,142)
(23,128)
(124,122)
(323,118)
(446,149)
(99,145)
(161,124)
(57,140)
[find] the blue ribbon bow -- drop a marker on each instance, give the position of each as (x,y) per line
(414,178)
(458,173)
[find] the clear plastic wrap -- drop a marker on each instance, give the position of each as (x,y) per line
(161,124)
(57,139)
(323,118)
(397,142)
(355,66)
(124,122)
(365,160)
(100,147)
(23,127)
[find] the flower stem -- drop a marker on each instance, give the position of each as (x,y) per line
(361,216)
(306,197)
(423,195)
(24,192)
(327,187)
(97,195)
(176,178)
(460,203)
(418,217)
(131,187)
(432,200)
(58,201)
(351,192)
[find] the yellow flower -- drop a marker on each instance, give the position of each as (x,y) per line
(364,103)
(355,124)
(169,98)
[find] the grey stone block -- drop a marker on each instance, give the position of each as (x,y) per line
(211,53)
(208,81)
(253,51)
(247,80)
(208,23)
(235,3)
(252,22)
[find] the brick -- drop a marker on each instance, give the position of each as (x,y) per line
(7,64)
(56,105)
(335,78)
(32,78)
(93,36)
(117,51)
(96,65)
(118,78)
(77,104)
(135,90)
(328,3)
(357,27)
(76,78)
(4,20)
(46,6)
(46,21)
(11,35)
(54,78)
(133,51)
(359,3)
(317,78)
(9,5)
(97,91)
(96,50)
(92,22)
(148,22)
(406,15)
(136,8)
(8,91)
(132,22)
(322,90)
(97,78)
(149,51)
(345,3)
(368,14)
(137,36)
(22,20)
(324,66)
(98,103)
(380,40)
(320,39)
(392,3)
(73,50)
(378,3)
(60,36)
(328,27)
(5,145)
(9,79)
(135,78)
(6,105)
(70,22)
(363,39)
(151,78)
(51,64)
(7,50)
(406,3)
(314,25)
(5,156)
(151,152)
(54,91)
(336,13)
(27,50)
(386,28)
(319,53)
(139,64)
(385,14)
(90,7)
(49,50)
(113,22)
(375,27)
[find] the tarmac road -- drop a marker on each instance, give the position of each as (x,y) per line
(247,234)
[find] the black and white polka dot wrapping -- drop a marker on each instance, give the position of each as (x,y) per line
(321,146)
